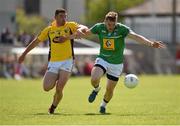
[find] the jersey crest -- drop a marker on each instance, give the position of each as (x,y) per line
(108,44)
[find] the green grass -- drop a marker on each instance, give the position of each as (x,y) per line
(156,100)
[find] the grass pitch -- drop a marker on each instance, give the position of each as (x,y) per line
(156,100)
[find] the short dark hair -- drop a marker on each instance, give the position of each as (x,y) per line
(61,10)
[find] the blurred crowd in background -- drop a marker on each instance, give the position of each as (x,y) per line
(17,40)
(10,68)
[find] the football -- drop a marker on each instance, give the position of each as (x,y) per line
(131,81)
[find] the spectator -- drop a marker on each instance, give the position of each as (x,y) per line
(6,66)
(25,38)
(6,36)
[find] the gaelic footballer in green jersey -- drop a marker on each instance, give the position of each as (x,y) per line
(110,59)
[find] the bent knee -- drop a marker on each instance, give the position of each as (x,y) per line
(95,79)
(47,86)
(47,89)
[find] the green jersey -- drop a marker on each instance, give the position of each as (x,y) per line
(112,44)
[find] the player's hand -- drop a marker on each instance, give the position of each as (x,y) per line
(21,58)
(158,44)
(80,33)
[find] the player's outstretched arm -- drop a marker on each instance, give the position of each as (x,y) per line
(76,35)
(83,31)
(33,44)
(141,39)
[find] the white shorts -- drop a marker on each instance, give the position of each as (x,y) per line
(65,65)
(114,70)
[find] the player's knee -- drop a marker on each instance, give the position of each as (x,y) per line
(46,88)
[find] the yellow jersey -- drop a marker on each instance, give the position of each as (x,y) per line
(59,51)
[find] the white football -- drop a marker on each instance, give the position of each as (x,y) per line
(131,81)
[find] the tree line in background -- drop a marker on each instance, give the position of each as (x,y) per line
(97,9)
(95,12)
(30,24)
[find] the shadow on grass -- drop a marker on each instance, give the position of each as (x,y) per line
(99,114)
(70,114)
(55,114)
(90,114)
